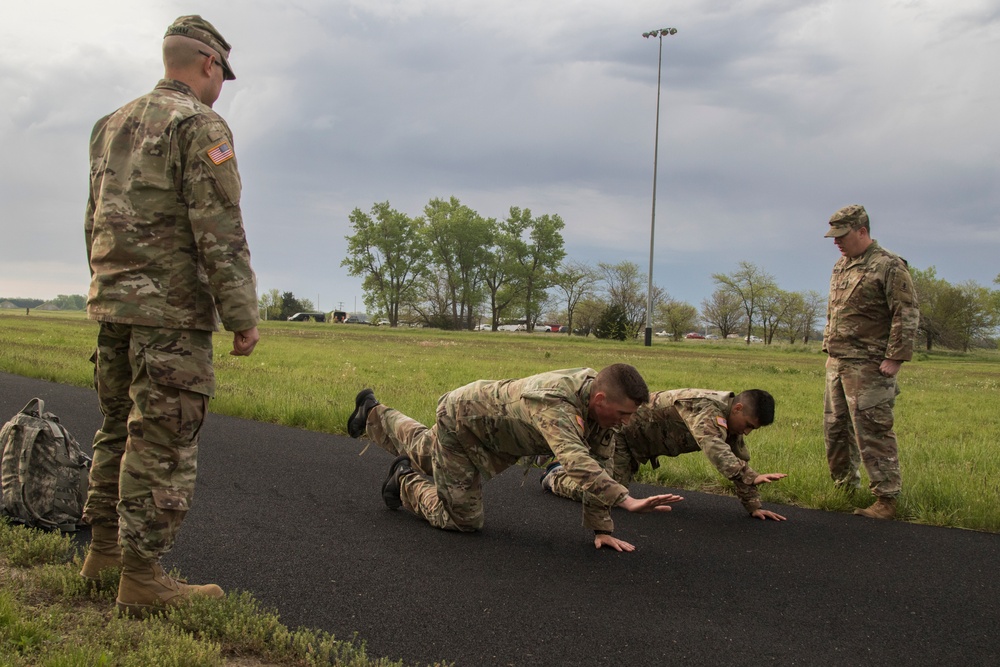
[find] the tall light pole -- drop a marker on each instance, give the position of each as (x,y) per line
(660,34)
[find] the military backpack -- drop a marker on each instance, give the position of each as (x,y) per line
(43,471)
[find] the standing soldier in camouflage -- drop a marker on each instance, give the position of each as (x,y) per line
(689,420)
(871,323)
(483,428)
(168,259)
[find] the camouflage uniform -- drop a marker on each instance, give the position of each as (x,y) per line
(872,316)
(483,428)
(168,259)
(673,423)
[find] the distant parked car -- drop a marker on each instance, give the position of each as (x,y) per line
(381,323)
(661,334)
(305,317)
(695,334)
(356,318)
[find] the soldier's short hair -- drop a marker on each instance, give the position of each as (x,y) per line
(758,403)
(621,381)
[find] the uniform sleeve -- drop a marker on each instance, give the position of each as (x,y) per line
(903,310)
(561,425)
(88,227)
(708,426)
(88,220)
(212,190)
(747,492)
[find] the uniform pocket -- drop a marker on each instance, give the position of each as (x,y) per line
(189,372)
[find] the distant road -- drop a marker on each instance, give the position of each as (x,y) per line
(296,518)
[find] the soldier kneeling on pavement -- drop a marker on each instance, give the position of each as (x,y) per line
(485,427)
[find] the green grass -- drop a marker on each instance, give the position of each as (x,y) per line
(306,374)
(50,617)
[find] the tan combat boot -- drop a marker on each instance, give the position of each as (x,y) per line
(103,553)
(883,508)
(145,588)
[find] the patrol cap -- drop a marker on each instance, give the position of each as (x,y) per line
(847,219)
(195,27)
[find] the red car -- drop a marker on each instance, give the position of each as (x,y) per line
(694,334)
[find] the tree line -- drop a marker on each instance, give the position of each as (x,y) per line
(62,302)
(452,268)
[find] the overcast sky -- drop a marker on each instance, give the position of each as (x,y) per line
(774,113)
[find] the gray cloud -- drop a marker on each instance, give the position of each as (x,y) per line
(774,114)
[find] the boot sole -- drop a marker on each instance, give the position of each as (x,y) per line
(392,498)
(359,404)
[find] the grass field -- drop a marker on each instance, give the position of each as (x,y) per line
(306,374)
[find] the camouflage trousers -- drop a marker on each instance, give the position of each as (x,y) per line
(858,420)
(153,386)
(398,434)
(448,495)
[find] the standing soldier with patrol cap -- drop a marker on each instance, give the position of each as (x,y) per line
(168,260)
(871,324)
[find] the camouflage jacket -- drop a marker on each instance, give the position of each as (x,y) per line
(164,231)
(537,415)
(688,420)
(872,312)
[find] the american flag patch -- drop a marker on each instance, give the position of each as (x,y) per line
(721,421)
(220,152)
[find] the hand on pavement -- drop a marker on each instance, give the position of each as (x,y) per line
(613,542)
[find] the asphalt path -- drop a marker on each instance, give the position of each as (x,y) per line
(296,518)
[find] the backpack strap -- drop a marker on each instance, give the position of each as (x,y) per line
(64,499)
(31,433)
(40,407)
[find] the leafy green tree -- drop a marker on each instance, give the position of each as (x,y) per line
(575,281)
(70,302)
(537,249)
(976,317)
(677,317)
(459,242)
(289,306)
(269,304)
(500,271)
(614,324)
(587,315)
(389,252)
(751,284)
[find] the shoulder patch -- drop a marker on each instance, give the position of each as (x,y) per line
(579,422)
(721,421)
(220,152)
